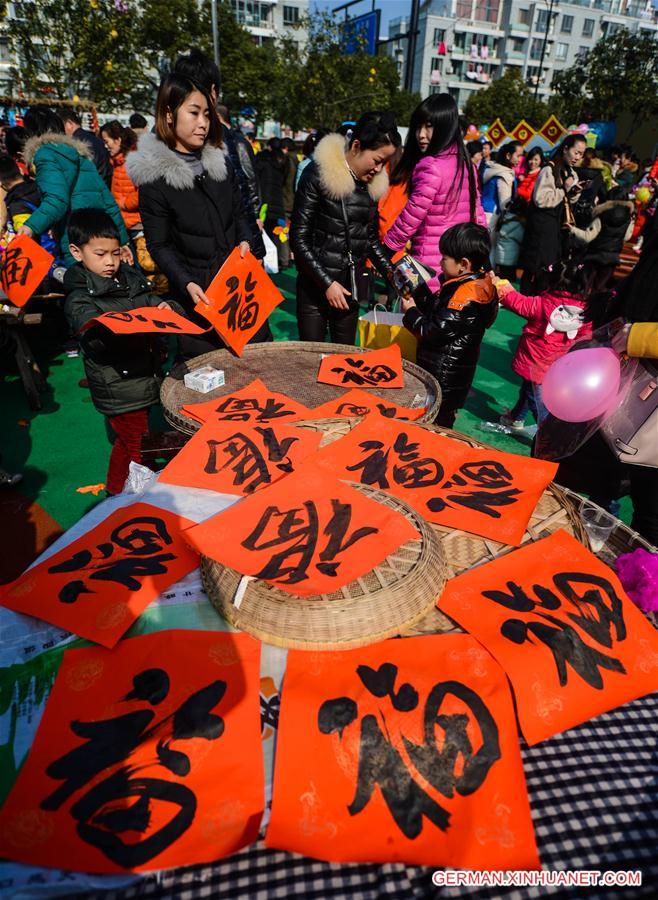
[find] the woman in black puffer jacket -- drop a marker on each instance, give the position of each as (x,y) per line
(334,227)
(189,201)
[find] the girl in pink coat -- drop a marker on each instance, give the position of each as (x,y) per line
(556,320)
(441,181)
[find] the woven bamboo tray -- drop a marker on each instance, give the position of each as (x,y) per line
(288,367)
(381,604)
(463,550)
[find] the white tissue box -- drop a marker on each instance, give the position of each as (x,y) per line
(204,379)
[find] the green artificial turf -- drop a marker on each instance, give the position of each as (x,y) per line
(64,446)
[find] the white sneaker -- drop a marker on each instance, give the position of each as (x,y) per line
(509,422)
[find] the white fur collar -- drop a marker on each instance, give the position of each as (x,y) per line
(53,137)
(329,156)
(154,160)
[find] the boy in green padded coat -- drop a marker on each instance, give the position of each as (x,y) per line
(123,371)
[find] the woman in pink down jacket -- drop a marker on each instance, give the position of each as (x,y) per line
(443,184)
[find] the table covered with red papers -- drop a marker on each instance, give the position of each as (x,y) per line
(592,788)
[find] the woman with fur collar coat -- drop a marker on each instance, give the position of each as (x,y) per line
(189,201)
(334,228)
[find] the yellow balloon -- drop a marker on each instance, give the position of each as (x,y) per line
(643,195)
(373,71)
(75,98)
(114,33)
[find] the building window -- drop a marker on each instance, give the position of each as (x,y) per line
(5,55)
(291,15)
(561,51)
(486,11)
(536,48)
(542,21)
(567,24)
(582,53)
(437,64)
(524,17)
(439,35)
(518,45)
(588,27)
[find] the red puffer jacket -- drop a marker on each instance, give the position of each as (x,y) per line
(124,191)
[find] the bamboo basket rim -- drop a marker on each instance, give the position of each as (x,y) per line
(172,387)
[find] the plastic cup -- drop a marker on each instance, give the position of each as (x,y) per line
(598,523)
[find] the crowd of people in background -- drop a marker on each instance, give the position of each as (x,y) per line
(134,213)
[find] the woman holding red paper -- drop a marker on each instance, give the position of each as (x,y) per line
(189,201)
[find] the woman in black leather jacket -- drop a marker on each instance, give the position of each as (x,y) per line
(334,227)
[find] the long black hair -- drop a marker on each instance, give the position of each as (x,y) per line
(440,111)
(503,155)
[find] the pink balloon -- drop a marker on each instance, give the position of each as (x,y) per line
(582,385)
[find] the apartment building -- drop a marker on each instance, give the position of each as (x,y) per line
(463,44)
(267,20)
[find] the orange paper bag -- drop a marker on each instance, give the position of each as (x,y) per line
(559,623)
(307,534)
(97,586)
(240,459)
(484,491)
(146,758)
(24,266)
(242,295)
(147,320)
(405,751)
(359,403)
(255,403)
(374,369)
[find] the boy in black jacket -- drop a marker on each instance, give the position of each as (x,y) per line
(123,371)
(450,327)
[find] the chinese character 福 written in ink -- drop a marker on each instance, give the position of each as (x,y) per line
(116,815)
(245,459)
(135,550)
(241,307)
(592,604)
(296,532)
(446,759)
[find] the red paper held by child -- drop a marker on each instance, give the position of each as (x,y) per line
(25,264)
(146,320)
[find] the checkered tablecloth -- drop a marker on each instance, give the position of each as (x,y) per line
(594,798)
